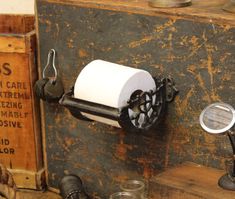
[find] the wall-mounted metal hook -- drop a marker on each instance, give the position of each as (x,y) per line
(49,89)
(51,55)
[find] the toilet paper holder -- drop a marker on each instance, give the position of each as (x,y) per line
(147,107)
(141,107)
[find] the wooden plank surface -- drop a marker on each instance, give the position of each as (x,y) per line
(20,140)
(29,194)
(28,179)
(197,55)
(17,24)
(17,127)
(189,181)
(12,43)
(205,11)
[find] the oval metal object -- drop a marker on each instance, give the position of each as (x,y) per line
(217,118)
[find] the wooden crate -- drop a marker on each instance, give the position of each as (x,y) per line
(195,45)
(20,139)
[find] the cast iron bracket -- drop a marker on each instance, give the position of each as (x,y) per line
(143,110)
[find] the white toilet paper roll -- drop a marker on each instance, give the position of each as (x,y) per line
(110,84)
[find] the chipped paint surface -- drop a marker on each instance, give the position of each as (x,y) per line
(200,57)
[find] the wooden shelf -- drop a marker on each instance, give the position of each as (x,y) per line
(203,10)
(189,181)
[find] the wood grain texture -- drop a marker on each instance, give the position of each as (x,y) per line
(16,110)
(205,11)
(198,55)
(189,181)
(16,24)
(20,138)
(30,194)
(29,179)
(12,44)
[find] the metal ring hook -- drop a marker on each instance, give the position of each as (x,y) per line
(50,53)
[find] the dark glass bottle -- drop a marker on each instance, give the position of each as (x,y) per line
(71,188)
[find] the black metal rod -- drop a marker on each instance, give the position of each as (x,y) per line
(232,140)
(90,107)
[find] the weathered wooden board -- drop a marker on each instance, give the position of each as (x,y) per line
(199,53)
(16,24)
(189,181)
(29,194)
(20,139)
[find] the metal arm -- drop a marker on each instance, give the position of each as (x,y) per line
(231,136)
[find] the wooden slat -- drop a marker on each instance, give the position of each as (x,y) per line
(21,138)
(17,24)
(29,179)
(189,181)
(29,194)
(20,147)
(33,77)
(24,152)
(204,10)
(12,44)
